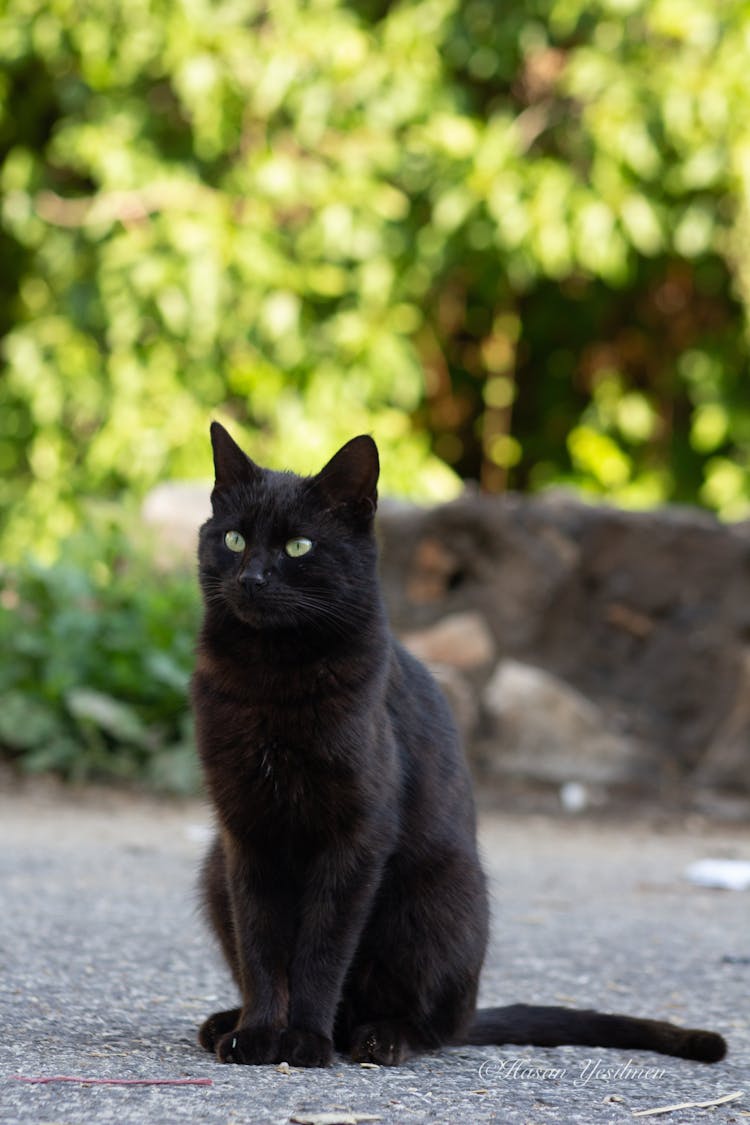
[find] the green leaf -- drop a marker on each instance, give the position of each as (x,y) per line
(109,715)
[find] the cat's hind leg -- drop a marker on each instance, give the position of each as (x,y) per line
(217,906)
(412,986)
(385,1018)
(213,884)
(385,1042)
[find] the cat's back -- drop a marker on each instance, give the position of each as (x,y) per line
(437,787)
(417,705)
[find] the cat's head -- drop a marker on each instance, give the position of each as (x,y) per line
(284,551)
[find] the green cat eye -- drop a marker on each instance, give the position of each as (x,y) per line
(295,548)
(234,541)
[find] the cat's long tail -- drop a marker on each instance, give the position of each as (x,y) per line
(539,1026)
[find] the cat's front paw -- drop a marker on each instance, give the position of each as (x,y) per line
(215,1026)
(253,1046)
(305,1048)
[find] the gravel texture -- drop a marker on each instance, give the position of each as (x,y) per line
(106,971)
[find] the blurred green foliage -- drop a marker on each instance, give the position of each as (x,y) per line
(97,653)
(511,242)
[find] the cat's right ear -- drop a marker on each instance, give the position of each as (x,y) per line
(231,465)
(351,476)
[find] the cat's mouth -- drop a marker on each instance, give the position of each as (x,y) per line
(262,610)
(259,616)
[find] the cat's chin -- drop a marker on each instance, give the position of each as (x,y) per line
(261,617)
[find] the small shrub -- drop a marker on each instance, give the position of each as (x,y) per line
(97,655)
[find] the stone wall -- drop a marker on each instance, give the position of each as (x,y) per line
(580,644)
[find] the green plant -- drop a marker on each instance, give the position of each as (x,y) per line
(97,653)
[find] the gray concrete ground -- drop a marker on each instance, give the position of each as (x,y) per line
(106,971)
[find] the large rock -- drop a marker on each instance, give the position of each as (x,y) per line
(545,730)
(460,640)
(645,615)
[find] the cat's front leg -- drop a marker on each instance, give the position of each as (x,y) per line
(254,1046)
(337,898)
(262,916)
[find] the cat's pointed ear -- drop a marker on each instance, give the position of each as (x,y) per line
(351,476)
(231,465)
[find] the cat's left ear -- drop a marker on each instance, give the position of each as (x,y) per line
(351,476)
(231,465)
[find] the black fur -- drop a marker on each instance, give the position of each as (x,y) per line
(344,884)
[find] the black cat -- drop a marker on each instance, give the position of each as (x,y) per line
(344,884)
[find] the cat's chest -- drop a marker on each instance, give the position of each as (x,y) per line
(256,748)
(285,769)
(272,775)
(280,761)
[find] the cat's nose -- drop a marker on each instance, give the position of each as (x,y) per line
(254,578)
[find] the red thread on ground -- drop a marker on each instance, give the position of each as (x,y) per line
(116,1081)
